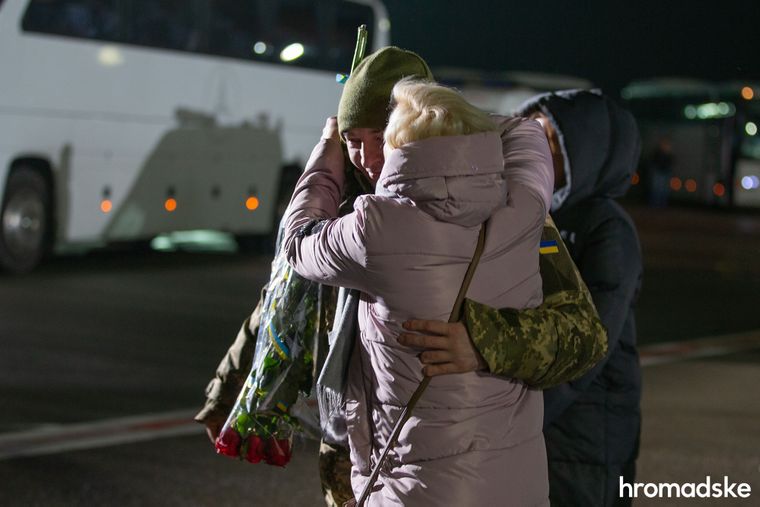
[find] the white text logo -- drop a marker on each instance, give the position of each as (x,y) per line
(706,489)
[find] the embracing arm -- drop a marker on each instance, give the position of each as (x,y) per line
(543,347)
(320,246)
(548,345)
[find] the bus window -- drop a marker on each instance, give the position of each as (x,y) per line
(294,29)
(320,35)
(88,19)
(169,24)
(350,16)
(304,33)
(235,29)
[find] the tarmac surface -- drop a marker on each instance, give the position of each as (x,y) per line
(104,358)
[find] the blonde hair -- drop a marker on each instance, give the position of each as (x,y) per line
(425,109)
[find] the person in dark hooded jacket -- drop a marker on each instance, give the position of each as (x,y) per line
(592,424)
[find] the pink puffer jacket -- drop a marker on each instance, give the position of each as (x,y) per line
(474,438)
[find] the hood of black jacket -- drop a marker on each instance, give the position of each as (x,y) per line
(599,139)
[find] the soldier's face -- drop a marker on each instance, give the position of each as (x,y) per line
(365,149)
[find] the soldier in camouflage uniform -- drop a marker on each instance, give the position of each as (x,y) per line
(551,344)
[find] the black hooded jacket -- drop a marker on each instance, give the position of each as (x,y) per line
(595,419)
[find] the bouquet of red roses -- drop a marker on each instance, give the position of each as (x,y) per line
(260,426)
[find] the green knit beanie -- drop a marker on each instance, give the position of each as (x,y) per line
(367,92)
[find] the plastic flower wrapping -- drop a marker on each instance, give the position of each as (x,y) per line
(261,426)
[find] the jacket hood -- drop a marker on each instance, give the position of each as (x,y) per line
(599,139)
(457,179)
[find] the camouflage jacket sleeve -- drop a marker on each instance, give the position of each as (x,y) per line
(545,346)
(223,389)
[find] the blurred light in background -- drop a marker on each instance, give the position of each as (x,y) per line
(170,204)
(635,179)
(252,203)
(709,110)
(195,241)
(110,56)
(292,52)
(750,128)
(260,48)
(750,182)
(747,93)
(691,185)
(675,183)
(719,190)
(106,205)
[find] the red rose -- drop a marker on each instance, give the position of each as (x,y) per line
(228,443)
(278,451)
(255,449)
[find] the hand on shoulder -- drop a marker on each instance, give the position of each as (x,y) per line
(330,131)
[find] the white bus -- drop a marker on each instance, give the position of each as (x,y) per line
(124,119)
(711,130)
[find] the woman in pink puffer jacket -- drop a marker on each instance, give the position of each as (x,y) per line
(473,438)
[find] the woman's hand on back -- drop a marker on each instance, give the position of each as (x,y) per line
(447,347)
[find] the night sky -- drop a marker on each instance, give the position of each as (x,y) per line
(609,42)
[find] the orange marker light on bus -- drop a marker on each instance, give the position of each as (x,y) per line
(635,179)
(252,203)
(748,93)
(106,205)
(170,204)
(719,190)
(675,183)
(691,185)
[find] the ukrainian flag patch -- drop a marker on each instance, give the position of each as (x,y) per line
(548,247)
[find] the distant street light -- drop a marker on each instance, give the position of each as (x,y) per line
(292,52)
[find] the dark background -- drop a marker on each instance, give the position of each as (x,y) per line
(609,42)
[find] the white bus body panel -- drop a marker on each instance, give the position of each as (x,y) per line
(102,113)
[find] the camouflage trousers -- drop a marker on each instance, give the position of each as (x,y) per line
(335,474)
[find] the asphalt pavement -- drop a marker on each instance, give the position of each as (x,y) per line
(98,339)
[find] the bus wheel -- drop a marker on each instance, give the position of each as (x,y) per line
(25,221)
